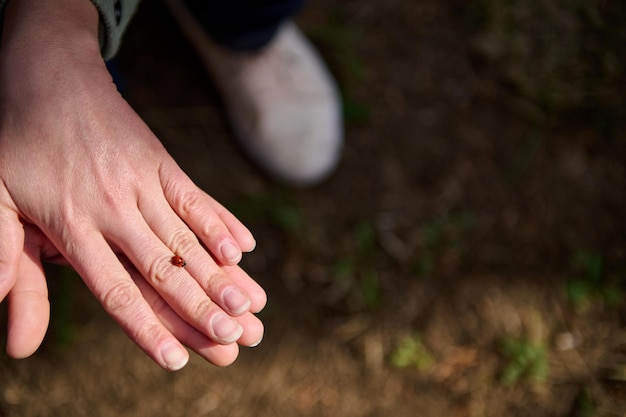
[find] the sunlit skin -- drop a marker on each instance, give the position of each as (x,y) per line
(84,180)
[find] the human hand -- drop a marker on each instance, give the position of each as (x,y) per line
(29,308)
(79,164)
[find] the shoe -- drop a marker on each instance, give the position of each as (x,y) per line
(282,102)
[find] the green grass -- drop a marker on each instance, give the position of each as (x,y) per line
(525,359)
(411,353)
(592,282)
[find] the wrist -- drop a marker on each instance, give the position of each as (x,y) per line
(41,28)
(50,55)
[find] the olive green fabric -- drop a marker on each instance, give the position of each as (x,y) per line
(114,18)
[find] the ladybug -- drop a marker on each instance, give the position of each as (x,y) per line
(178,261)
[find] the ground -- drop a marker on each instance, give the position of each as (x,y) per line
(466,259)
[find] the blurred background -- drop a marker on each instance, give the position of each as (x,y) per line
(468,258)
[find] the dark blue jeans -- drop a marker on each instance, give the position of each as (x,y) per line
(243,25)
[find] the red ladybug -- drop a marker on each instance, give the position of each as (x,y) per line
(178,261)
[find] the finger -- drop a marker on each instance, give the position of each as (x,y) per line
(201,293)
(253,330)
(112,285)
(29,308)
(242,234)
(180,240)
(256,294)
(11,246)
(195,208)
(217,354)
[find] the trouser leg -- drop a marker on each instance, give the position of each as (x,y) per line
(243,25)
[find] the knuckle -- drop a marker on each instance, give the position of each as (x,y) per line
(213,281)
(148,332)
(190,202)
(211,230)
(72,228)
(158,270)
(203,308)
(35,295)
(183,241)
(120,298)
(111,196)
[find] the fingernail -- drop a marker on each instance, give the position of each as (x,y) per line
(230,252)
(256,343)
(174,356)
(227,330)
(236,301)
(253,247)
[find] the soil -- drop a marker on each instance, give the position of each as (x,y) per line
(465,213)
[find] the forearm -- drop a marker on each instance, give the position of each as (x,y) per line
(40,28)
(114,17)
(46,45)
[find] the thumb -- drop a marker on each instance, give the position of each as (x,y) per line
(29,308)
(11,246)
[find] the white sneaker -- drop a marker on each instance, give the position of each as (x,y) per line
(282,101)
